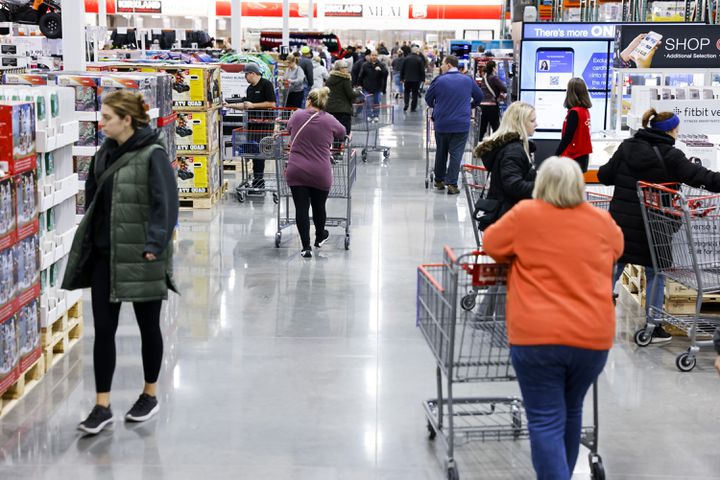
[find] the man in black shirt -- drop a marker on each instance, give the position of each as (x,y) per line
(260,95)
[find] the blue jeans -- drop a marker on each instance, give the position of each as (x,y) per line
(373,100)
(554,380)
(398,83)
(452,144)
(654,284)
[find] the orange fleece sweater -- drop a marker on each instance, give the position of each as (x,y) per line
(559,284)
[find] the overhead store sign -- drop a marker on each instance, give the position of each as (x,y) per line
(455,12)
(665,46)
(343,10)
(569,31)
(138,6)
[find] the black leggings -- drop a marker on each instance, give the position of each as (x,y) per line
(303,197)
(105,319)
(489,115)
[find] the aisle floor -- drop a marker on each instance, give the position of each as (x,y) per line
(278,367)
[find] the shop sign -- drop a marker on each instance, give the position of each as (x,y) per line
(343,10)
(383,11)
(664,46)
(138,6)
(454,12)
(569,31)
(696,116)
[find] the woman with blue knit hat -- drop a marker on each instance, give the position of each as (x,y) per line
(650,156)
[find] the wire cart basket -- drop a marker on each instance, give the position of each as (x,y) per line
(254,141)
(476,183)
(431,146)
(461,314)
(682,229)
(370,119)
(344,174)
(598,200)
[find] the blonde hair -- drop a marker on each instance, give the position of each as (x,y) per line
(318,97)
(560,183)
(514,120)
(126,103)
(292,60)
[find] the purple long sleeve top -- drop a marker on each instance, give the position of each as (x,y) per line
(309,160)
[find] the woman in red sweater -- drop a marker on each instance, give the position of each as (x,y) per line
(575,142)
(560,314)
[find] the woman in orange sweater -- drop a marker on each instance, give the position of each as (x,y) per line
(560,313)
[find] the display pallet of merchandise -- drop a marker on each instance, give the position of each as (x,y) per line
(62,342)
(62,324)
(192,203)
(28,380)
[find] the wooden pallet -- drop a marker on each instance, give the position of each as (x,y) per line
(28,380)
(61,324)
(203,203)
(62,342)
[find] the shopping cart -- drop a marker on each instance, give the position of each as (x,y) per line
(682,230)
(470,345)
(253,142)
(431,146)
(599,200)
(370,119)
(476,183)
(344,174)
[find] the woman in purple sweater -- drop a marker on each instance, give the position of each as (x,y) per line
(309,171)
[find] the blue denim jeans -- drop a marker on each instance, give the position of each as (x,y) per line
(655,285)
(452,144)
(373,100)
(398,83)
(554,380)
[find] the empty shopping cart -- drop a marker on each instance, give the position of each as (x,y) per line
(682,229)
(461,314)
(344,174)
(369,118)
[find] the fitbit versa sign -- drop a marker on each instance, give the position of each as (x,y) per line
(663,46)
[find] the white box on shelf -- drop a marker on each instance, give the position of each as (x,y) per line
(66,240)
(47,195)
(48,315)
(84,151)
(53,138)
(73,297)
(88,116)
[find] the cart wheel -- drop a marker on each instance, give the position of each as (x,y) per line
(276,199)
(240,196)
(516,421)
(453,473)
(347,241)
(431,431)
(468,302)
(363,154)
(278,239)
(685,362)
(427,183)
(386,153)
(597,470)
(642,338)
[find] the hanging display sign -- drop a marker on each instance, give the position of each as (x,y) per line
(696,116)
(666,46)
(343,10)
(138,6)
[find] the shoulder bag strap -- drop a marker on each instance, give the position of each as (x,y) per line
(661,160)
(487,84)
(292,142)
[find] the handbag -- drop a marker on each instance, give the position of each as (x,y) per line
(486,211)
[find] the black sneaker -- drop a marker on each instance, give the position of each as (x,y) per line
(99,418)
(660,335)
(144,409)
(306,253)
(320,243)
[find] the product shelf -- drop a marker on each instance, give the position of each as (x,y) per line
(51,139)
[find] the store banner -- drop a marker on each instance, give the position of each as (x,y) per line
(455,12)
(138,6)
(343,10)
(667,46)
(263,9)
(696,116)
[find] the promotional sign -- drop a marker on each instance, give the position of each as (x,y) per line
(138,6)
(667,46)
(696,116)
(343,10)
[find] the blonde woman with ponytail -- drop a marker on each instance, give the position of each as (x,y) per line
(507,155)
(309,171)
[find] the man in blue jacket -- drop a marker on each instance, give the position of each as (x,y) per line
(452,96)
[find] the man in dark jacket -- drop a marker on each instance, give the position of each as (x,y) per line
(652,157)
(716,340)
(451,96)
(373,79)
(357,67)
(412,74)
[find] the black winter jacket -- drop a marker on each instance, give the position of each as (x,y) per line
(635,160)
(373,77)
(355,71)
(512,174)
(342,95)
(413,69)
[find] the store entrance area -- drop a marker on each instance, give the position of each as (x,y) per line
(278,367)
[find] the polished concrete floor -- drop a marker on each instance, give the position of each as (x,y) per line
(278,367)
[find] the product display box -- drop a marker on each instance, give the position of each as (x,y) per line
(144,84)
(166,126)
(26,200)
(88,134)
(28,330)
(82,167)
(8,222)
(9,352)
(17,137)
(27,256)
(203,172)
(197,132)
(8,281)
